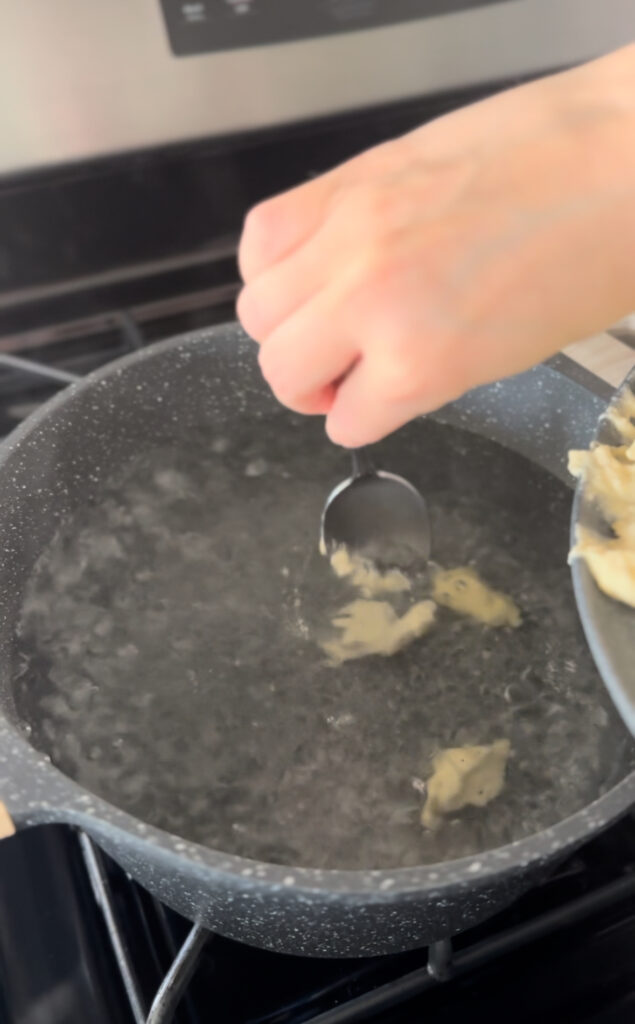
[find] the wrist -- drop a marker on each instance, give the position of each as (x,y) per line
(597,102)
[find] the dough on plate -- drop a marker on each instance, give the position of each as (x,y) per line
(608,473)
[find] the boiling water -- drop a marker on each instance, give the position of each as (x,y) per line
(168,656)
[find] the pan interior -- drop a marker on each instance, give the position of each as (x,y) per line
(167,656)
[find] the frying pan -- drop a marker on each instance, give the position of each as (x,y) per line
(56,461)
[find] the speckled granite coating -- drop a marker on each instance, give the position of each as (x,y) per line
(55,460)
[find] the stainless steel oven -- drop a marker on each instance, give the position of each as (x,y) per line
(83,78)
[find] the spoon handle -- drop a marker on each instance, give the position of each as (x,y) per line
(362,462)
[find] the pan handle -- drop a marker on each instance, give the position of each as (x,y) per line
(580,375)
(616,349)
(362,462)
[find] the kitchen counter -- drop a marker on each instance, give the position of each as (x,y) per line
(610,355)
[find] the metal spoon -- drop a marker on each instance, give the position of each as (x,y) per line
(377,515)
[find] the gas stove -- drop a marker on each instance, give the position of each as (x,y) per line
(80,942)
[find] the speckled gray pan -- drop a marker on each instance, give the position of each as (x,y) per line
(609,625)
(57,459)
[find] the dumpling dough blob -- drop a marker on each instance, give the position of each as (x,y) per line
(373,627)
(611,562)
(608,472)
(464,592)
(362,574)
(622,416)
(464,776)
(609,477)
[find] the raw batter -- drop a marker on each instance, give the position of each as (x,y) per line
(367,626)
(622,416)
(365,576)
(608,472)
(373,627)
(464,776)
(464,592)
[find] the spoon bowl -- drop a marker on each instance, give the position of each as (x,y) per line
(378,516)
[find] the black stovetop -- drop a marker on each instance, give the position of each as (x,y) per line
(564,954)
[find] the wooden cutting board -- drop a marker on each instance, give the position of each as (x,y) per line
(605,356)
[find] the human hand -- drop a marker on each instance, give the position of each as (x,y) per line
(458,254)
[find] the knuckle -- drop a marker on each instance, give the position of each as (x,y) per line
(247,313)
(283,382)
(402,381)
(427,373)
(367,207)
(366,284)
(258,230)
(374,207)
(267,364)
(257,219)
(403,367)
(272,367)
(384,157)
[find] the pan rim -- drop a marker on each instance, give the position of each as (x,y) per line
(30,772)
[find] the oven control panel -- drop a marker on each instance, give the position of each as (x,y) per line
(205,26)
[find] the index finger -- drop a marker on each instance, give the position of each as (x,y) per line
(276,227)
